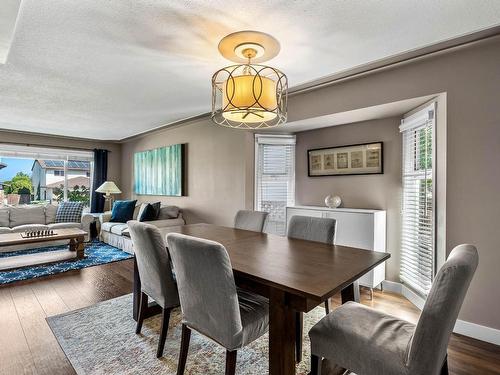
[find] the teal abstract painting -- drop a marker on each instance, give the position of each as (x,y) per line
(160,171)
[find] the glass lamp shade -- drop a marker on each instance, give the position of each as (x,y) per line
(249,97)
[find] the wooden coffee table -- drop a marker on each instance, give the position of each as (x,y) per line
(76,248)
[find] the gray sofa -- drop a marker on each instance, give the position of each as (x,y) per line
(16,219)
(118,235)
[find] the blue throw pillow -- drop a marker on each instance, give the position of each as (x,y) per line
(151,212)
(123,211)
(69,212)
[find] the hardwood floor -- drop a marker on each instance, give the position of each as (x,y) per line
(27,345)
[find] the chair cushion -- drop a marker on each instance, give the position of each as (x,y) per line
(26,215)
(4,230)
(69,212)
(118,229)
(50,213)
(150,212)
(254,311)
(25,227)
(123,211)
(363,340)
(4,217)
(64,225)
(106,227)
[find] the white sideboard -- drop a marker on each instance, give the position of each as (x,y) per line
(361,228)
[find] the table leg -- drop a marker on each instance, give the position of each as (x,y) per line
(76,244)
(281,335)
(350,293)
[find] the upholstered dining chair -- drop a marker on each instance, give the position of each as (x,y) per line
(210,302)
(250,220)
(155,272)
(366,341)
(315,229)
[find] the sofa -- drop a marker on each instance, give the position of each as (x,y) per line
(16,219)
(117,234)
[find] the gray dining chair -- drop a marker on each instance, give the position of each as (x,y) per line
(366,341)
(315,229)
(155,272)
(250,220)
(210,302)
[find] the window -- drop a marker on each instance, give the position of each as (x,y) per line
(33,175)
(418,205)
(274,178)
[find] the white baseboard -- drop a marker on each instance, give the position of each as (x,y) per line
(462,327)
(477,331)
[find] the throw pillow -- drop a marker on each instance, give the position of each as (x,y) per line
(168,212)
(69,212)
(142,208)
(151,212)
(123,211)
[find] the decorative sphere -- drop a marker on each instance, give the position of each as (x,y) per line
(333,201)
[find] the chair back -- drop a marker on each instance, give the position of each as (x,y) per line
(250,220)
(429,344)
(207,290)
(153,264)
(318,229)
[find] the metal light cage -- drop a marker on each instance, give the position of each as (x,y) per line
(224,104)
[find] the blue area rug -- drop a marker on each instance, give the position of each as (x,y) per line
(96,253)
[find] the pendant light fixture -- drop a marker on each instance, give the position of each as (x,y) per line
(249,95)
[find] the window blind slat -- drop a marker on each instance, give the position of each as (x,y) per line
(275,179)
(417,229)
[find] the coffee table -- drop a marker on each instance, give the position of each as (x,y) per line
(76,248)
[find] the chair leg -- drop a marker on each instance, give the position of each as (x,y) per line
(231,362)
(299,333)
(185,338)
(143,303)
(444,369)
(163,331)
(327,306)
(315,365)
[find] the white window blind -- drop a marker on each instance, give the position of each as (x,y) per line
(418,205)
(274,179)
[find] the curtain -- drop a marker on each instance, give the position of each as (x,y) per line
(100,176)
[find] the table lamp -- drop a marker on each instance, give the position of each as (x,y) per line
(108,188)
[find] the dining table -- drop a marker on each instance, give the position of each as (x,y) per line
(295,275)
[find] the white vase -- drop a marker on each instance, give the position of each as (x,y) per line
(333,201)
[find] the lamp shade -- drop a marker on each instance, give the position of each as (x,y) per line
(109,187)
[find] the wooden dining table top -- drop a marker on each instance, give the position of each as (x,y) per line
(309,269)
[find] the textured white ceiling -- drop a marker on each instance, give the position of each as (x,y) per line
(112,69)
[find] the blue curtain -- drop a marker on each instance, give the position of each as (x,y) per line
(100,176)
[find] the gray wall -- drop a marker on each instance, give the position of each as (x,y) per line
(371,191)
(219,170)
(470,76)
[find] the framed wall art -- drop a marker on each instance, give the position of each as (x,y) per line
(160,171)
(366,158)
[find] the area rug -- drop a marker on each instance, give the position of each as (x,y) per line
(96,253)
(101,339)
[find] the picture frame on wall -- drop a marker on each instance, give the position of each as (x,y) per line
(348,160)
(161,171)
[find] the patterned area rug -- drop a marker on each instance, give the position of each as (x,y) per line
(101,339)
(96,253)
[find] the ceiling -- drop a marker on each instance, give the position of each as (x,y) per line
(112,69)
